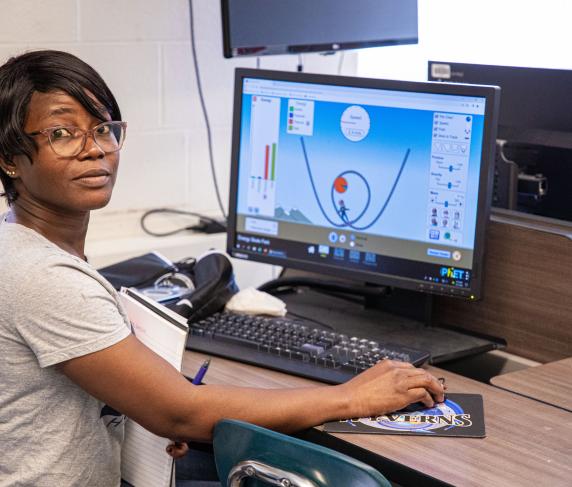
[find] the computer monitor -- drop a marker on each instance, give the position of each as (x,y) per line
(385,182)
(536,102)
(261,27)
(535,167)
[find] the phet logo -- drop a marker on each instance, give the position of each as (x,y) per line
(452,273)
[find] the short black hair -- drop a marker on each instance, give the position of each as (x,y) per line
(44,71)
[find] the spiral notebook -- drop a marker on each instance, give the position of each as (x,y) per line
(144,461)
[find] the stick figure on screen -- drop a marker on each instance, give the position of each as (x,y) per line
(343,211)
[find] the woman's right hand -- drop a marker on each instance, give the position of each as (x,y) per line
(389,386)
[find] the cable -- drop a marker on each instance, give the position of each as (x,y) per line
(300,66)
(324,285)
(358,294)
(313,320)
(341,61)
(206,224)
(204,108)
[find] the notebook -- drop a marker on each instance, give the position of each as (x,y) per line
(144,461)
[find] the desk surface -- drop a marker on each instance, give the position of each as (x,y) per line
(527,443)
(550,383)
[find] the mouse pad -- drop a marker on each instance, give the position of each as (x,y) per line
(460,415)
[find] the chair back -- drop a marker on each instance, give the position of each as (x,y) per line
(249,455)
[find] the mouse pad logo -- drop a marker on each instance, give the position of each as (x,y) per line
(460,415)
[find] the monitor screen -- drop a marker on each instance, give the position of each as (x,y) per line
(261,27)
(383,181)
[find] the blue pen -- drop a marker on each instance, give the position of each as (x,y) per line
(201,372)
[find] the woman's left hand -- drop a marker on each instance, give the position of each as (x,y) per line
(177,449)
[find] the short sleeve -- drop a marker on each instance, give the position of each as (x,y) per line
(66,311)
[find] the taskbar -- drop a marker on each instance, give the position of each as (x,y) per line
(441,279)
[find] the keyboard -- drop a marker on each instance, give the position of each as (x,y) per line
(294,346)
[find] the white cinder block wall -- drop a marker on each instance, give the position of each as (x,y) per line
(142,49)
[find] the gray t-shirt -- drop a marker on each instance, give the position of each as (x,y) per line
(53,307)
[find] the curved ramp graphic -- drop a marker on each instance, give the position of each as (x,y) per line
(340,186)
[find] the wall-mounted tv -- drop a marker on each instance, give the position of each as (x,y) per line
(265,27)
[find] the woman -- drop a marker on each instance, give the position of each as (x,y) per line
(68,360)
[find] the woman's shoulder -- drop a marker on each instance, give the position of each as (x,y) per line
(22,246)
(27,257)
(34,270)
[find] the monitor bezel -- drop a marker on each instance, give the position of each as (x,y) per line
(230,52)
(492,97)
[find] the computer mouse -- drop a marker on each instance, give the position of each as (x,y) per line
(414,407)
(417,406)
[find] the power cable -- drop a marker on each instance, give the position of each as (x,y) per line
(206,224)
(341,61)
(204,109)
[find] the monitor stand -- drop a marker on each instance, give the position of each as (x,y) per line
(378,313)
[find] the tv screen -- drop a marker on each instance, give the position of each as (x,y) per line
(262,27)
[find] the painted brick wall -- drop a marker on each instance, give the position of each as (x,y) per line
(142,49)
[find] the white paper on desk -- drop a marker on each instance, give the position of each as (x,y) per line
(144,461)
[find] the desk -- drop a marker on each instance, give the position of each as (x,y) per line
(550,383)
(513,454)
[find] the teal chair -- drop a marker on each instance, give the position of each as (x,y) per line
(246,454)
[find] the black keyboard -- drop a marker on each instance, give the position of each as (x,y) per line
(294,346)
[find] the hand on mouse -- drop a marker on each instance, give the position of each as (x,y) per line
(389,386)
(419,406)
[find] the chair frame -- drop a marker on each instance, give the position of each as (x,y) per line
(267,473)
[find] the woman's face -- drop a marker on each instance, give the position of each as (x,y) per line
(64,184)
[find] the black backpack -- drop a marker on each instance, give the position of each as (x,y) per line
(209,280)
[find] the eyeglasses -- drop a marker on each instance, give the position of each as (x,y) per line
(70,141)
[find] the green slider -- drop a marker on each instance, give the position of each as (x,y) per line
(273,160)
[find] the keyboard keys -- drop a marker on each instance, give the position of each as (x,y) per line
(234,339)
(293,341)
(312,349)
